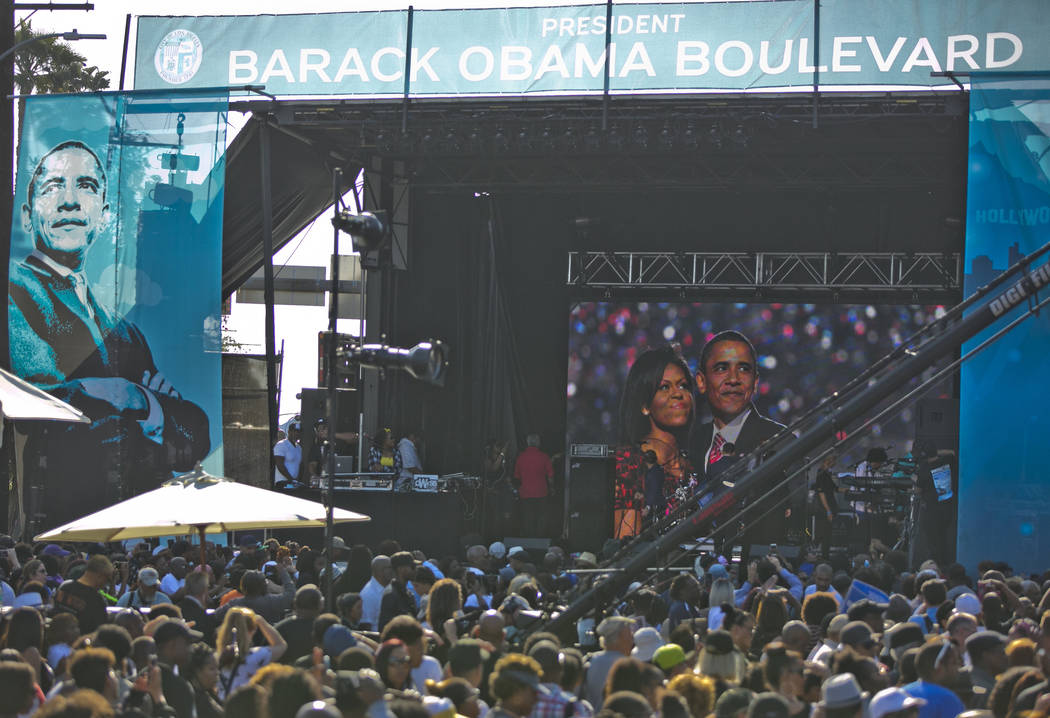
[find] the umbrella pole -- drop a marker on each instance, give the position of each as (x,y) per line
(204,550)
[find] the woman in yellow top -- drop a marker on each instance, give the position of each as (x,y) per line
(383,457)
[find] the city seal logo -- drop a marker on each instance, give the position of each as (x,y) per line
(178,56)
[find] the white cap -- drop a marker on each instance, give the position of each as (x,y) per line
(892,700)
(646,641)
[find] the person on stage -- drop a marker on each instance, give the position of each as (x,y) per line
(727,377)
(656,414)
(826,506)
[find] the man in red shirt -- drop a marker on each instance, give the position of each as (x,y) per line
(533,473)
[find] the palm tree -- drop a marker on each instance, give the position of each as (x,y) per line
(52,66)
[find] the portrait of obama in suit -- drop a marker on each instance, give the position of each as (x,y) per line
(68,342)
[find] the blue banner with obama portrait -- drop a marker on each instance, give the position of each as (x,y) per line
(113,300)
(1004,506)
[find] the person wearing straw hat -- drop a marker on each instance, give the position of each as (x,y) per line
(841,697)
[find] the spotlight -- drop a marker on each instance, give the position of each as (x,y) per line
(592,141)
(640,137)
(368,230)
(689,137)
(740,136)
(426,361)
(499,141)
(666,138)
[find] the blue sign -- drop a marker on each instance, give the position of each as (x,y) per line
(1004,508)
(115,283)
(700,46)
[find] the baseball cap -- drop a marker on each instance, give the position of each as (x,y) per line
(668,656)
(148,576)
(525,678)
(613,625)
(517,551)
(856,633)
(892,700)
(717,570)
(967,603)
(337,638)
(497,549)
(173,628)
(53,549)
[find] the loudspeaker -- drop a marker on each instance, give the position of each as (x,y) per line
(590,502)
(937,422)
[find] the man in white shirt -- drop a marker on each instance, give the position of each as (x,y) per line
(410,463)
(175,579)
(372,593)
(288,455)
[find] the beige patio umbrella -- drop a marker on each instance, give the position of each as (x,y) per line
(199,502)
(21,400)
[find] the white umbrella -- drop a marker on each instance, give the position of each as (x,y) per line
(21,400)
(197,502)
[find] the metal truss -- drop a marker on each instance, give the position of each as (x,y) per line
(752,271)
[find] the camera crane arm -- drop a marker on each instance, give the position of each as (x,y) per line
(838,413)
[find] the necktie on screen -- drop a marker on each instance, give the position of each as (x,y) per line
(80,287)
(716,449)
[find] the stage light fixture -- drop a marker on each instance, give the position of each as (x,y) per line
(740,136)
(714,136)
(690,138)
(666,138)
(499,141)
(426,361)
(368,230)
(592,141)
(640,137)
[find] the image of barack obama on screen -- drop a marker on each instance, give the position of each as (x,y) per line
(727,376)
(66,341)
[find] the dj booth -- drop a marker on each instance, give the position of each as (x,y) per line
(431,518)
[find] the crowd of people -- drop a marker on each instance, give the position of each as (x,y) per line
(153,630)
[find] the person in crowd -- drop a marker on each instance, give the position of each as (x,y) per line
(257,597)
(297,629)
(554,702)
(194,604)
(825,490)
(987,653)
(146,592)
(616,635)
(397,600)
(202,669)
(465,697)
(656,414)
(515,684)
(239,657)
(173,639)
(410,632)
(82,598)
(394,664)
(937,665)
(174,580)
(372,593)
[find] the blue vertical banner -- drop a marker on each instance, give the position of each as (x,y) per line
(1004,506)
(114,294)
